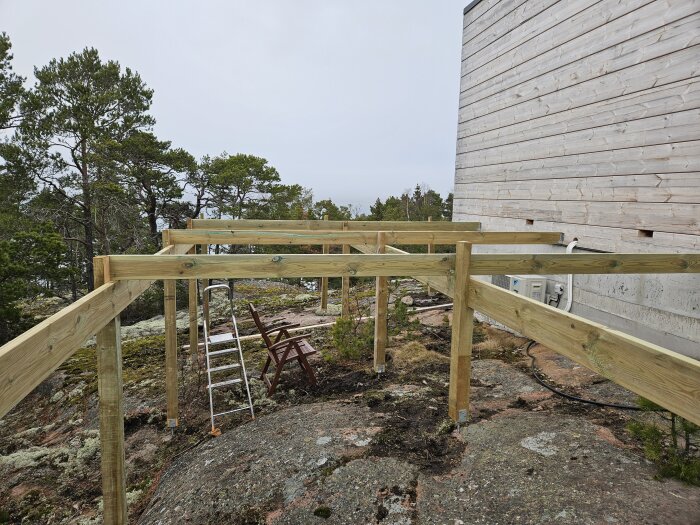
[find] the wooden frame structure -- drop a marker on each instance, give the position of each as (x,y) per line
(665,377)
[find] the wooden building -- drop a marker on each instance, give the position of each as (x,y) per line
(583,116)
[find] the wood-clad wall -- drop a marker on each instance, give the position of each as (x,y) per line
(583,116)
(580,112)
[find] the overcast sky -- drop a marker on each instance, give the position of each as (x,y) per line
(353,99)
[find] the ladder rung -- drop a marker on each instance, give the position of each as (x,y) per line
(220,338)
(224,367)
(225,383)
(224,351)
(247,407)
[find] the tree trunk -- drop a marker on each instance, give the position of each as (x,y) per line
(87,219)
(153,219)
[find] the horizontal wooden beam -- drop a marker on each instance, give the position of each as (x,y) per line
(252,224)
(667,378)
(31,357)
(579,263)
(562,263)
(358,237)
(248,266)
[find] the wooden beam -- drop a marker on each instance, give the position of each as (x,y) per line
(170,315)
(667,378)
(359,237)
(324,280)
(380,313)
(461,344)
(293,265)
(345,283)
(33,356)
(374,226)
(111,409)
(580,263)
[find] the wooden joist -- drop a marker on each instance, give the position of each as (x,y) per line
(244,266)
(667,378)
(584,263)
(358,237)
(31,357)
(370,226)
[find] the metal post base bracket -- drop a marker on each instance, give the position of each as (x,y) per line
(380,369)
(462,416)
(172,423)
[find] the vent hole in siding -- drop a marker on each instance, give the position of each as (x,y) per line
(529,222)
(645,233)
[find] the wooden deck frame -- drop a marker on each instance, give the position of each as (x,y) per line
(658,374)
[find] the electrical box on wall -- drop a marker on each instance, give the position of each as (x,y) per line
(532,286)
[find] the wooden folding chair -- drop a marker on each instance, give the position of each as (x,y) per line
(282,349)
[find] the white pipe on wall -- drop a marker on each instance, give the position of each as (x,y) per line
(570,280)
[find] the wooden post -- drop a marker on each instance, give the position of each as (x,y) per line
(462,330)
(345,286)
(205,295)
(380,312)
(194,325)
(170,311)
(324,280)
(111,407)
(430,250)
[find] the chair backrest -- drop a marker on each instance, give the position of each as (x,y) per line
(261,326)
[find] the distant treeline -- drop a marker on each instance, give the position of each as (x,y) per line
(82,174)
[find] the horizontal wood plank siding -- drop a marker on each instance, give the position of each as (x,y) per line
(584,117)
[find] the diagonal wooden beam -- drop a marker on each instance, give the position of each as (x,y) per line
(33,356)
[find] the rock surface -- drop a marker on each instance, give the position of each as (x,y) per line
(313,464)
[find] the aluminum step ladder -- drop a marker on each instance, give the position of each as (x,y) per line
(222,362)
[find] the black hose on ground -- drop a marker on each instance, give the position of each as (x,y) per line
(571,397)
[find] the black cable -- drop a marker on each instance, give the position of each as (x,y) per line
(570,396)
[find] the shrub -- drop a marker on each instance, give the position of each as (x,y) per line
(352,337)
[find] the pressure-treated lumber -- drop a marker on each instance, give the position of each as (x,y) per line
(381,299)
(111,409)
(461,344)
(324,280)
(580,263)
(171,385)
(245,266)
(345,284)
(359,237)
(192,307)
(192,304)
(31,357)
(372,226)
(430,249)
(667,378)
(170,313)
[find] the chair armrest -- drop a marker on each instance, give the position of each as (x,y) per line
(283,342)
